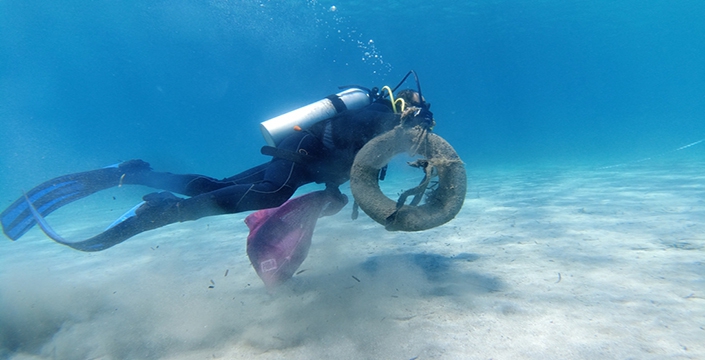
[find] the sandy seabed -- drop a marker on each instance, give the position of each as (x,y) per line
(551,263)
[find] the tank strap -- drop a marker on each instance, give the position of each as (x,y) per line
(337,103)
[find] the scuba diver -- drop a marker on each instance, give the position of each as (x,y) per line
(321,151)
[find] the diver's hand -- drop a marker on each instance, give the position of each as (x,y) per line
(336,201)
(421,117)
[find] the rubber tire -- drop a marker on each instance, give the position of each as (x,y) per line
(441,206)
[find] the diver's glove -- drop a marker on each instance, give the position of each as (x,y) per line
(424,117)
(419,116)
(336,202)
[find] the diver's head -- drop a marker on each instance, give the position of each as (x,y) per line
(416,112)
(412,98)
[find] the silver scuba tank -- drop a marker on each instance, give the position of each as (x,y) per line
(276,129)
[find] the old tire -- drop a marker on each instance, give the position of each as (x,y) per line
(442,204)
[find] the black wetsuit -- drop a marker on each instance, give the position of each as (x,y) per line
(326,153)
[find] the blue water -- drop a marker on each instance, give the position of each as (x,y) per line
(184,84)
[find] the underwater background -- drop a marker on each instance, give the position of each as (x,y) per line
(515,86)
(185,84)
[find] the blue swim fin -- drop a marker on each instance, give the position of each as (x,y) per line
(18,218)
(102,241)
(130,213)
(157,210)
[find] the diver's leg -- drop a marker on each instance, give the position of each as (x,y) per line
(276,182)
(163,208)
(280,181)
(270,184)
(194,184)
(249,176)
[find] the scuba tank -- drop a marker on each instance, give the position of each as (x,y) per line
(276,129)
